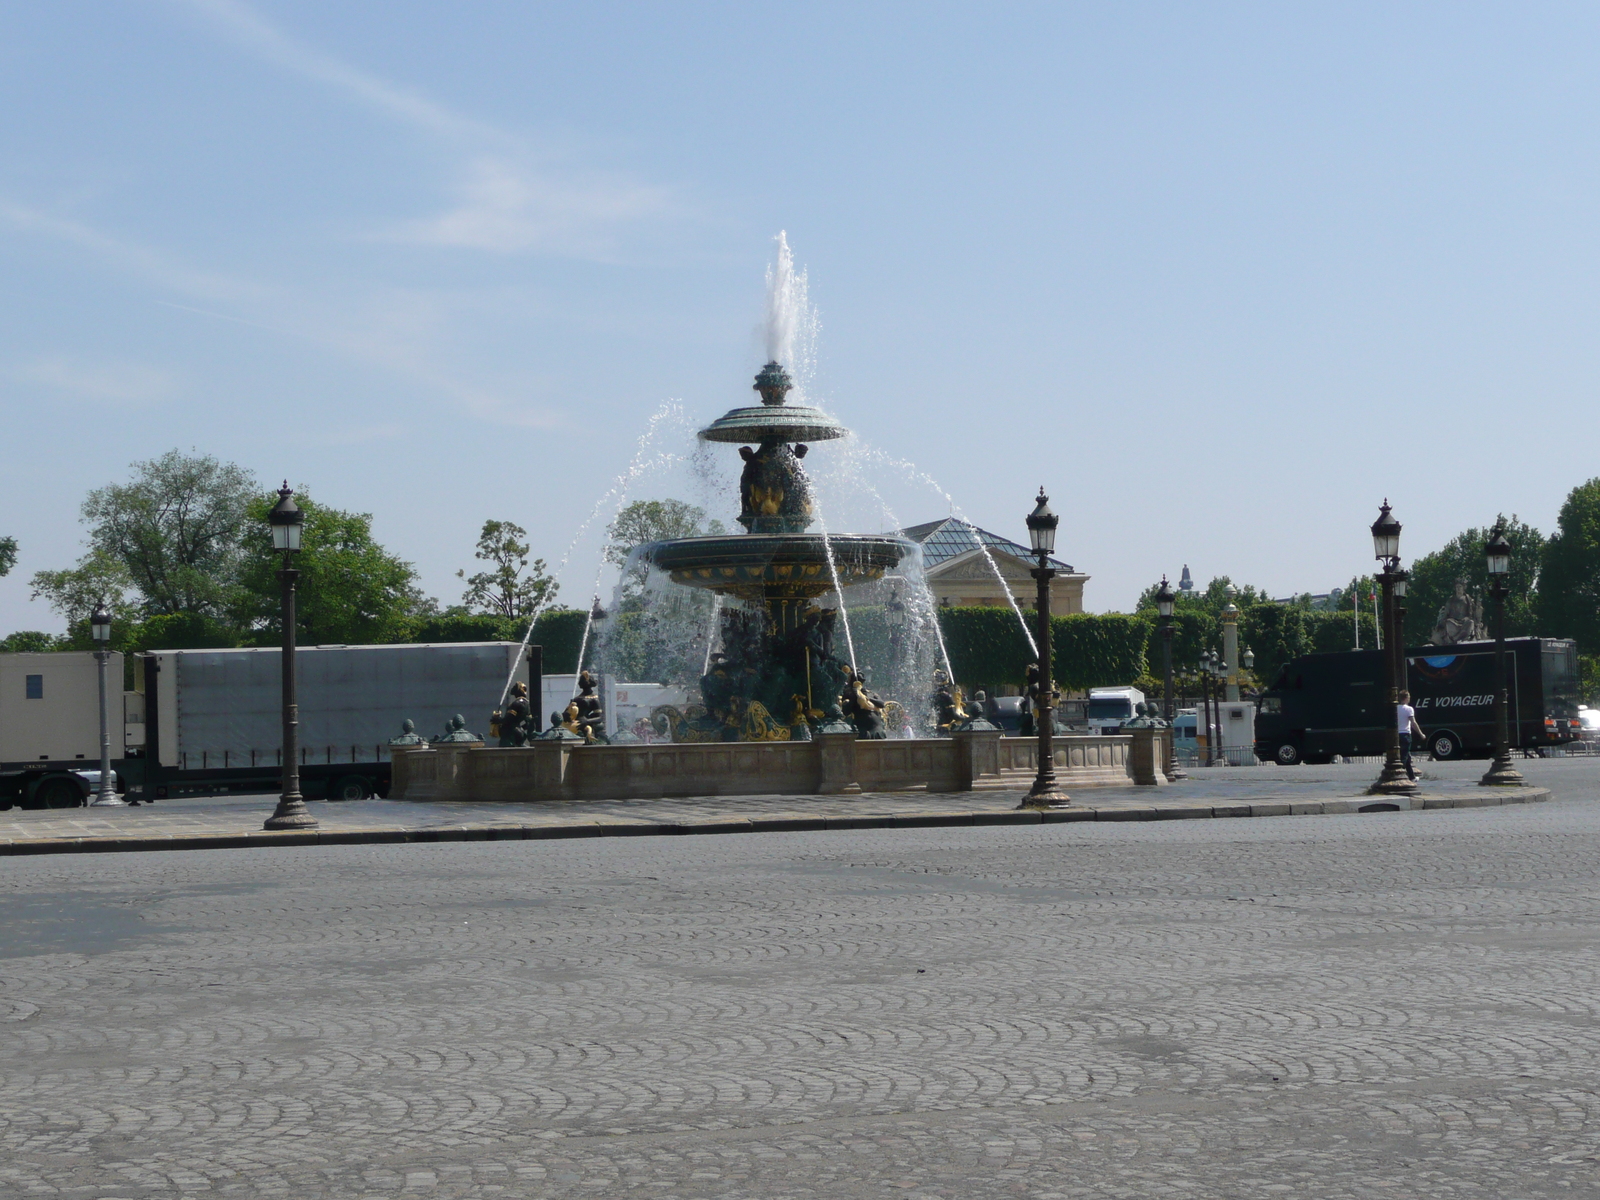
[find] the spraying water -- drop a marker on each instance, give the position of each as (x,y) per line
(791,323)
(670,413)
(914,472)
(833,574)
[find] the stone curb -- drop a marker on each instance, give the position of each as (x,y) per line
(611,827)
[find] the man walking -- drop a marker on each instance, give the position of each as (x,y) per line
(1407,718)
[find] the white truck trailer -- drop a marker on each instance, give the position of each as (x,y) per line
(210,722)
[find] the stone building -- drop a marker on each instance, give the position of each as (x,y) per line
(959,574)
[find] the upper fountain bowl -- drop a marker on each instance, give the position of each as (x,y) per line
(772,419)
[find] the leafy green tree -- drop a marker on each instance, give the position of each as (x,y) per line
(646,521)
(1569,585)
(29,641)
(1433,578)
(178,529)
(73,592)
(351,590)
(512,587)
(8,554)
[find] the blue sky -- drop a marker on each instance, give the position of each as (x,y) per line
(1221,277)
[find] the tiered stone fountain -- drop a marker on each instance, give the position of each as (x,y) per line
(777,677)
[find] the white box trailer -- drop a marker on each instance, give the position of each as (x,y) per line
(50,726)
(214,718)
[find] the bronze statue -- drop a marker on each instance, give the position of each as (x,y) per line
(1460,619)
(773,489)
(948,710)
(591,716)
(512,726)
(1029,725)
(456,731)
(863,708)
(408,735)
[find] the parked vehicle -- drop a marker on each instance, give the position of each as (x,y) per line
(1109,707)
(214,718)
(50,727)
(1322,705)
(210,722)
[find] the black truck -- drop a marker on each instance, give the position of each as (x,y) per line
(1324,705)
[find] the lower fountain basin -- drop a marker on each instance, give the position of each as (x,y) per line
(757,566)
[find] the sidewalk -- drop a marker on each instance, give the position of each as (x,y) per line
(235,822)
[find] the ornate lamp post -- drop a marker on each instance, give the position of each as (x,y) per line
(895,616)
(1042,537)
(1219,672)
(1500,772)
(100,627)
(286,521)
(1386,549)
(1164,605)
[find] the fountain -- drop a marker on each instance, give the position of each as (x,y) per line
(784,706)
(778,677)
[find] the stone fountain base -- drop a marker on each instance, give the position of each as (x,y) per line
(829,764)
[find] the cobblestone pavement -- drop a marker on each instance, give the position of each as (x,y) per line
(1267,788)
(1398,1005)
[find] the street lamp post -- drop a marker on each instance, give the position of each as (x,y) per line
(1219,671)
(286,521)
(100,627)
(1164,605)
(1386,549)
(1207,673)
(895,615)
(1500,773)
(1045,793)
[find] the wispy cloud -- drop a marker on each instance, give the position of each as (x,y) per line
(509,197)
(152,265)
(114,382)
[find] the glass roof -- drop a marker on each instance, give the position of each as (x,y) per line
(946,539)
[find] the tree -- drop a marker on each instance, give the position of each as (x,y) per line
(505,590)
(1569,584)
(646,521)
(176,528)
(351,590)
(8,554)
(99,578)
(1433,578)
(28,641)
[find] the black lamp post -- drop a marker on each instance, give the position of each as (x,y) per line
(286,521)
(1042,537)
(895,616)
(100,628)
(1164,604)
(1207,659)
(1500,772)
(1386,549)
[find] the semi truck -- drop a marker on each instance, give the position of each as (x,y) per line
(210,722)
(1323,705)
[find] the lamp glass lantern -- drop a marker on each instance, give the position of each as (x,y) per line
(100,625)
(1042,526)
(1498,553)
(1400,585)
(1164,599)
(286,521)
(1248,658)
(1385,535)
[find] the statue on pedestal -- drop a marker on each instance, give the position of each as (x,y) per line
(864,708)
(591,716)
(456,731)
(408,735)
(512,726)
(1460,619)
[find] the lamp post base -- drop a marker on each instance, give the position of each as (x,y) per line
(1393,781)
(290,814)
(1501,773)
(115,801)
(1174,772)
(1045,793)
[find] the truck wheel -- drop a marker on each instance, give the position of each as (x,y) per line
(351,787)
(1287,754)
(57,793)
(1446,746)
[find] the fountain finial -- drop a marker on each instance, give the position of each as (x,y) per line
(773,382)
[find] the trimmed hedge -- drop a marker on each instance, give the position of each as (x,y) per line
(987,647)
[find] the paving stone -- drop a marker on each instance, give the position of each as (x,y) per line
(1323,1009)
